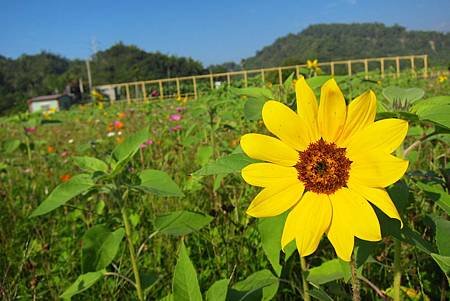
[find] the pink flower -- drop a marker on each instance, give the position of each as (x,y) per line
(176,128)
(146,143)
(175,117)
(30,130)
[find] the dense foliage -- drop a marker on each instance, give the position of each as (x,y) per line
(197,239)
(345,41)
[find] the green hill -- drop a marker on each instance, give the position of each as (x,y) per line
(328,42)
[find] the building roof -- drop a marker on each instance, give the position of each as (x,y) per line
(45,98)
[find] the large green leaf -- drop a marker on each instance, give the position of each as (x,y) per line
(91,164)
(159,182)
(409,95)
(185,284)
(254,92)
(229,164)
(318,81)
(64,192)
(329,271)
(270,230)
(126,150)
(437,194)
(204,154)
(253,108)
(435,109)
(82,283)
(100,246)
(181,222)
(444,264)
(218,291)
(443,236)
(261,285)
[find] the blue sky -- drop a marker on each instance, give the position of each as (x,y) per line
(209,31)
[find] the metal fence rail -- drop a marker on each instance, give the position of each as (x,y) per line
(193,86)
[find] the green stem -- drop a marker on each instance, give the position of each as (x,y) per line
(397,269)
(137,277)
(27,143)
(355,281)
(306,296)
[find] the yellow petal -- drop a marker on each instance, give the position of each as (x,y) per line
(267,174)
(307,107)
(379,197)
(383,135)
(286,124)
(266,148)
(332,111)
(340,234)
(307,222)
(376,169)
(361,113)
(276,199)
(361,218)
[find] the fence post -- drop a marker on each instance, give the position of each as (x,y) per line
(382,67)
(262,77)
(127,89)
(211,81)
(297,71)
(194,82)
(178,88)
(425,66)
(161,91)
(413,67)
(397,66)
(228,79)
(332,68)
(245,79)
(144,92)
(366,69)
(349,68)
(280,76)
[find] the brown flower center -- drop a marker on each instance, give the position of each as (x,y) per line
(323,167)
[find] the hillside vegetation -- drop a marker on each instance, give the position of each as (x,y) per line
(344,41)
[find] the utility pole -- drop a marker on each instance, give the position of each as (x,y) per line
(88,67)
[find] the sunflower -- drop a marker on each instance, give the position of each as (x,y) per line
(328,164)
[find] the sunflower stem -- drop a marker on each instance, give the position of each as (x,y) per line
(306,296)
(397,269)
(355,281)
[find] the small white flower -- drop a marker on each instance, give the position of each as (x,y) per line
(111,134)
(70,141)
(119,133)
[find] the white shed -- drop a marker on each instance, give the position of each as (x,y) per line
(44,103)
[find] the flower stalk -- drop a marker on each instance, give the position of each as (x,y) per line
(306,295)
(355,281)
(137,277)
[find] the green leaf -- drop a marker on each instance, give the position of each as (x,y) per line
(443,236)
(271,229)
(100,246)
(82,283)
(444,264)
(253,108)
(320,294)
(409,95)
(261,285)
(318,81)
(9,146)
(204,154)
(181,222)
(91,164)
(63,193)
(169,297)
(255,92)
(126,150)
(436,114)
(328,271)
(218,291)
(437,194)
(228,164)
(185,284)
(159,182)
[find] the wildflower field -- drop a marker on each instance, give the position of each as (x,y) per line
(216,198)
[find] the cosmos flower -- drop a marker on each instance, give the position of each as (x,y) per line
(175,117)
(176,128)
(326,164)
(118,124)
(50,149)
(65,177)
